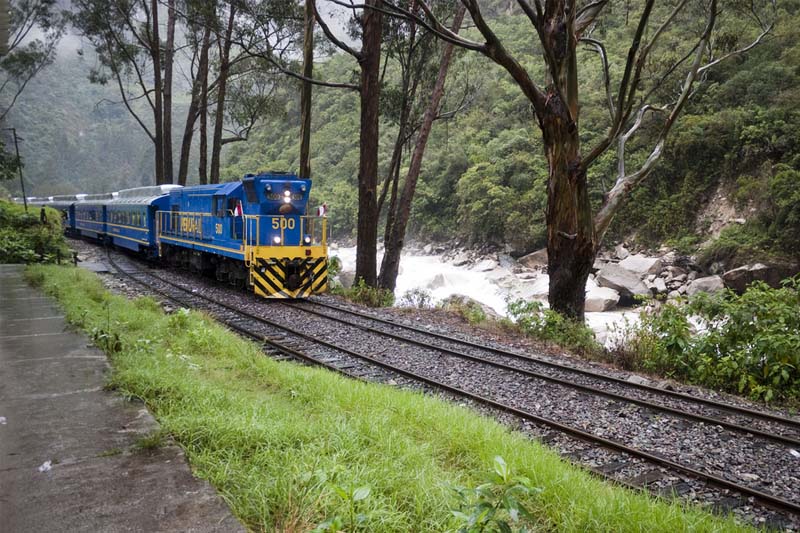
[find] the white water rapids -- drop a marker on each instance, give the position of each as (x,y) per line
(493,288)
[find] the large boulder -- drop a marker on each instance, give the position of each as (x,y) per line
(537,259)
(739,278)
(600,299)
(641,265)
(625,282)
(707,284)
(460,302)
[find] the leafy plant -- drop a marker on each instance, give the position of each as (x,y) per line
(497,505)
(352,519)
(534,320)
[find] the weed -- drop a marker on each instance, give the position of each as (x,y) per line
(110,453)
(750,343)
(255,428)
(151,442)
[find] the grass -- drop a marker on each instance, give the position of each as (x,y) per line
(282,442)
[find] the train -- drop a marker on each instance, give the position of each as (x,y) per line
(254,233)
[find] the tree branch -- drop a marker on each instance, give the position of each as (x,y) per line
(625,183)
(329,34)
(601,50)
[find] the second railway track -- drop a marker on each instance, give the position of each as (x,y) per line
(627,462)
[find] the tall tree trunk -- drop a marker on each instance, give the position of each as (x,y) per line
(571,246)
(393,245)
(194,107)
(155,53)
(367,239)
(222,84)
(305,95)
(202,167)
(168,60)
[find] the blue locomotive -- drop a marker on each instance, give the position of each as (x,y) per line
(250,233)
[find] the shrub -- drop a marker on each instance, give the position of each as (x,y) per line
(751,342)
(536,321)
(361,293)
(24,239)
(417,298)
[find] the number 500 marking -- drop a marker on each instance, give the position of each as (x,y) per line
(282,223)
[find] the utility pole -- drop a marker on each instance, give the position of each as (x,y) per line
(19,167)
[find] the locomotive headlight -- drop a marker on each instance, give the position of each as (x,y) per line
(287,199)
(268,188)
(307,239)
(287,193)
(303,188)
(276,239)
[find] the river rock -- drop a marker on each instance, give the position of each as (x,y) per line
(739,278)
(624,281)
(707,284)
(600,299)
(437,282)
(346,278)
(659,286)
(537,259)
(459,301)
(485,265)
(461,259)
(621,252)
(641,265)
(428,249)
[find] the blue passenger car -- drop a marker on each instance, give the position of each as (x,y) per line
(90,215)
(131,217)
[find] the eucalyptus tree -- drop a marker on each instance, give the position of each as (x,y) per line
(126,36)
(369,26)
(647,91)
(414,55)
(199,17)
(35,28)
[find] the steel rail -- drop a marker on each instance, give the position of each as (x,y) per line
(588,373)
(764,497)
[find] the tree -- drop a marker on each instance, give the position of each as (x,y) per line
(199,17)
(24,56)
(574,231)
(400,211)
(369,60)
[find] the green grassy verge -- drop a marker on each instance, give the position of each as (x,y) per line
(282,443)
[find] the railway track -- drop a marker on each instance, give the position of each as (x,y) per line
(617,461)
(565,376)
